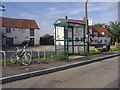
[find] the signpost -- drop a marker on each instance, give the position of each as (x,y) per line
(87,30)
(90,22)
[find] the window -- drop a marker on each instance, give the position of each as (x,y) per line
(77,38)
(82,39)
(23,30)
(105,33)
(96,41)
(105,41)
(13,29)
(96,33)
(69,30)
(31,32)
(70,39)
(76,31)
(8,30)
(100,41)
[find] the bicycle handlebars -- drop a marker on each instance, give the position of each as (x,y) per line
(25,45)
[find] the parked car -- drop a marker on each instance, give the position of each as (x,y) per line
(25,42)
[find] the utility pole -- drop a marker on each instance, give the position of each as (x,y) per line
(87,30)
(2,8)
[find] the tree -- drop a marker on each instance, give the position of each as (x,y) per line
(98,25)
(114,29)
(46,35)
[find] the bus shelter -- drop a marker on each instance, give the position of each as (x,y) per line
(69,37)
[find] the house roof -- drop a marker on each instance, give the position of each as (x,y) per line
(79,21)
(100,30)
(95,29)
(18,23)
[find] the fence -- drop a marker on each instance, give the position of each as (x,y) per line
(38,53)
(43,53)
(4,58)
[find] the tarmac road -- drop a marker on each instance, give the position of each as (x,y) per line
(103,74)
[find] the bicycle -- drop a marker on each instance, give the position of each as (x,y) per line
(23,55)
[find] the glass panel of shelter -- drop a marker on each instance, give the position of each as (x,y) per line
(78,43)
(73,39)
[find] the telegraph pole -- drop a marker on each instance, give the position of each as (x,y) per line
(87,30)
(2,8)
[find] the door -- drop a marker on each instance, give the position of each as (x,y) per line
(31,41)
(9,41)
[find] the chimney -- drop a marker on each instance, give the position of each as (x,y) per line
(66,17)
(84,18)
(103,26)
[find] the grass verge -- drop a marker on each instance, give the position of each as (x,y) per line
(94,52)
(115,49)
(57,56)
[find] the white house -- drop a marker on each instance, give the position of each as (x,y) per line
(98,35)
(16,31)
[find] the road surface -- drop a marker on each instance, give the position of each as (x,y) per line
(103,74)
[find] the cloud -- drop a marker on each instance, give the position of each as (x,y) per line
(67,11)
(46,27)
(57,12)
(105,17)
(59,0)
(102,12)
(92,7)
(29,15)
(99,12)
(51,9)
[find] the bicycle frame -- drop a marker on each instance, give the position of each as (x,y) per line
(19,53)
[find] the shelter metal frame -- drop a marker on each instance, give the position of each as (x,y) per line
(69,24)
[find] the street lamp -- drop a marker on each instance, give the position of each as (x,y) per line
(87,30)
(2,7)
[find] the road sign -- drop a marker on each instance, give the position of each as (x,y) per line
(90,22)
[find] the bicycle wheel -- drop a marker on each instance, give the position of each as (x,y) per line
(13,59)
(26,59)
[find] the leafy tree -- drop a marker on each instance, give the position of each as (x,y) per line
(114,29)
(98,25)
(46,35)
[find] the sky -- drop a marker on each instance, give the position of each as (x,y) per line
(46,13)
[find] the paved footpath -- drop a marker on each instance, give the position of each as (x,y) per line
(13,69)
(103,74)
